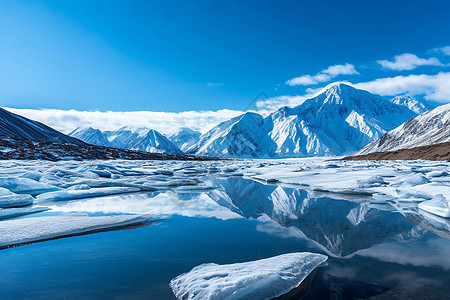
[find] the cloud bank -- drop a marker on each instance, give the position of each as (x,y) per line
(433,87)
(164,122)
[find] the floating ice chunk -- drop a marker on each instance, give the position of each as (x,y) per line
(437,174)
(373,181)
(25,186)
(102,173)
(439,206)
(260,279)
(29,230)
(414,179)
(266,179)
(79,187)
(164,172)
(32,175)
(78,194)
(381,198)
(6,213)
(14,200)
(4,192)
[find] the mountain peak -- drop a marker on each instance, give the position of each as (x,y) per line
(411,103)
(337,87)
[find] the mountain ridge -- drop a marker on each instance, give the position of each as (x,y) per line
(337,120)
(431,127)
(17,126)
(140,138)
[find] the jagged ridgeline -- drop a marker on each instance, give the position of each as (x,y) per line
(338,120)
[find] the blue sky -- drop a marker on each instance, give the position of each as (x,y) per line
(180,56)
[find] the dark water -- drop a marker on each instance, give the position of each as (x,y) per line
(375,251)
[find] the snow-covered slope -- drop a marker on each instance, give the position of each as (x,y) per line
(429,128)
(143,139)
(184,138)
(19,127)
(411,103)
(91,136)
(338,120)
(239,136)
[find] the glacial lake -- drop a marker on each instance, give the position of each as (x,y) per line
(376,250)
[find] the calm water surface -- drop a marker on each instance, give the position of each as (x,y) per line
(375,251)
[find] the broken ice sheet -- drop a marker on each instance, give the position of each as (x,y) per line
(439,206)
(6,213)
(79,194)
(14,200)
(25,186)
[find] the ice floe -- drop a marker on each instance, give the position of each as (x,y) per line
(260,279)
(82,193)
(25,185)
(6,213)
(28,230)
(15,200)
(439,205)
(210,189)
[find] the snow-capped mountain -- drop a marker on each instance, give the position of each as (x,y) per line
(143,139)
(338,120)
(184,138)
(239,136)
(16,126)
(91,136)
(431,127)
(411,103)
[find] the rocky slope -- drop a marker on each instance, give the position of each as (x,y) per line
(19,127)
(429,152)
(432,127)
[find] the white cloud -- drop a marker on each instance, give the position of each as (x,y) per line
(444,50)
(408,61)
(269,105)
(308,79)
(434,87)
(347,69)
(165,122)
(324,75)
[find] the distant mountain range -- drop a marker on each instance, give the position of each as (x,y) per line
(338,120)
(22,138)
(184,138)
(431,127)
(143,139)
